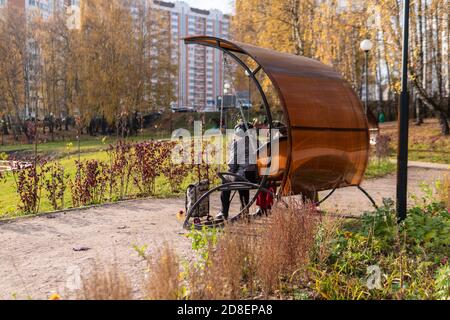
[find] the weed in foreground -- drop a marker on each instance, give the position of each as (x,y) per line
(164,277)
(286,243)
(106,283)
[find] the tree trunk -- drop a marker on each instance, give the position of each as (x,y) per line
(419,115)
(443,122)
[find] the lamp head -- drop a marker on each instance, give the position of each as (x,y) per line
(366,45)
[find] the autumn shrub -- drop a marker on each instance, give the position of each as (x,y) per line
(150,159)
(176,170)
(120,168)
(383,147)
(90,182)
(105,282)
(28,178)
(54,179)
(204,166)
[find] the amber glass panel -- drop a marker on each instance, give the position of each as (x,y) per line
(322,160)
(278,163)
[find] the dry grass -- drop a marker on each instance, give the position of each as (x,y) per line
(230,270)
(249,259)
(325,235)
(106,283)
(164,281)
(286,243)
(444,190)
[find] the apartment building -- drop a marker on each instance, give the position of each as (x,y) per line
(200,69)
(43,7)
(33,8)
(201,72)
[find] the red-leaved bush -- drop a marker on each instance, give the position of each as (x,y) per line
(90,182)
(150,159)
(120,168)
(28,181)
(54,181)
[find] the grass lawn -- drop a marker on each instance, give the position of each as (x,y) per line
(425,141)
(62,149)
(379,168)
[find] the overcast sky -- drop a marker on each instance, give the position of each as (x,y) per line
(223,5)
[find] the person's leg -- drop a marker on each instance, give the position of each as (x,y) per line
(225,199)
(310,197)
(244,196)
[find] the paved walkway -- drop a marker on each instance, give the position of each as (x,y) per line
(428,165)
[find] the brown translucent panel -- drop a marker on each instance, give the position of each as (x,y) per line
(328,132)
(320,102)
(211,41)
(275,166)
(325,159)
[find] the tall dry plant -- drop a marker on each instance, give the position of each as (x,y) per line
(325,235)
(164,280)
(286,243)
(382,147)
(229,272)
(106,283)
(444,190)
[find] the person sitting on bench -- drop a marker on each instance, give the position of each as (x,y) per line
(239,164)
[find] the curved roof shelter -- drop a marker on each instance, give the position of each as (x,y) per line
(328,132)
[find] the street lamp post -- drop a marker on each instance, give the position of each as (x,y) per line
(226,87)
(366,46)
(403,118)
(249,94)
(221,112)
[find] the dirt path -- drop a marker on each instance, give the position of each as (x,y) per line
(37,255)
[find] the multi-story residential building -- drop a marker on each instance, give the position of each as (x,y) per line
(200,68)
(43,7)
(32,8)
